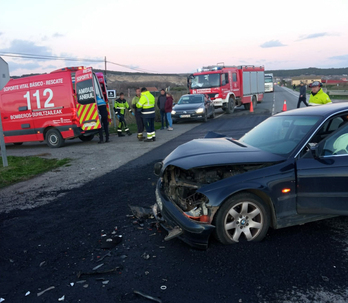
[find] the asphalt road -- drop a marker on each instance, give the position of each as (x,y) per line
(47,246)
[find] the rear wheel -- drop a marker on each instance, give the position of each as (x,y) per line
(242,217)
(230,105)
(86,138)
(54,138)
(205,118)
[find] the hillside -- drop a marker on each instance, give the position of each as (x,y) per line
(282,73)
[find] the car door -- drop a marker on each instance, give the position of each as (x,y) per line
(322,179)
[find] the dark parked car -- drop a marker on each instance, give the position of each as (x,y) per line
(290,169)
(197,106)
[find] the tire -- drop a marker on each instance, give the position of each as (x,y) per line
(235,217)
(254,100)
(86,138)
(54,138)
(213,114)
(230,106)
(18,143)
(205,118)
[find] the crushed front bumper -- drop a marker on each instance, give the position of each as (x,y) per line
(178,225)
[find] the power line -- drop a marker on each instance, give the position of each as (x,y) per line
(48,57)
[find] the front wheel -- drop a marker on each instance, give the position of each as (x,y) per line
(54,138)
(205,118)
(230,105)
(242,217)
(213,114)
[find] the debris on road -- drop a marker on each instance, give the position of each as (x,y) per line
(43,263)
(141,212)
(61,298)
(2,300)
(110,242)
(27,293)
(98,266)
(106,282)
(163,287)
(147,296)
(145,256)
(108,254)
(42,292)
(326,279)
(80,274)
(72,284)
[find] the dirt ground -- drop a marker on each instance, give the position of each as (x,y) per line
(88,161)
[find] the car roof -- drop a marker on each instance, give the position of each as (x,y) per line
(188,95)
(320,110)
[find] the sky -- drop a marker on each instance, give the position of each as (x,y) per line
(167,36)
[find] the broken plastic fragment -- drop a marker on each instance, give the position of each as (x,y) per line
(72,284)
(85,286)
(2,300)
(27,293)
(141,212)
(146,256)
(98,266)
(147,296)
(105,282)
(61,298)
(42,292)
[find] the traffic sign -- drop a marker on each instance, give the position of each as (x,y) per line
(4,78)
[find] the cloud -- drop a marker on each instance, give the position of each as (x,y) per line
(316,35)
(28,47)
(1,33)
(57,35)
(340,58)
(26,66)
(272,43)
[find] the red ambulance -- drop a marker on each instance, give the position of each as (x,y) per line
(52,107)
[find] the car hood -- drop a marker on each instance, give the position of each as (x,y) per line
(221,151)
(180,107)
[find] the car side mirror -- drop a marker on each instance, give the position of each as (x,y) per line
(314,151)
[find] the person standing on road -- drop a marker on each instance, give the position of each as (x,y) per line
(103,114)
(138,117)
(302,97)
(161,101)
(120,107)
(168,110)
(317,96)
(146,106)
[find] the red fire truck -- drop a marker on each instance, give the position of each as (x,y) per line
(229,86)
(52,107)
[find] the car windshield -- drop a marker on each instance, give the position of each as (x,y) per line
(204,81)
(280,134)
(191,99)
(268,79)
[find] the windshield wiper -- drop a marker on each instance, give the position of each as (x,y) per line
(236,142)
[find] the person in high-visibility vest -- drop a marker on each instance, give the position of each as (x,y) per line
(146,106)
(317,96)
(120,107)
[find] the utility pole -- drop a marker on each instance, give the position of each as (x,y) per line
(4,78)
(105,67)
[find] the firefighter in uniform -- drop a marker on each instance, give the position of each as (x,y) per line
(317,96)
(104,120)
(120,107)
(146,106)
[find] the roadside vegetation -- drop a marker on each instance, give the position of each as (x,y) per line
(24,168)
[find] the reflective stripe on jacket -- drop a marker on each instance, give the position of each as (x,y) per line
(120,106)
(146,103)
(319,98)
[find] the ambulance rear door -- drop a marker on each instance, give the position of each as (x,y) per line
(86,89)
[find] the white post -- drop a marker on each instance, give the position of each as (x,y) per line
(4,78)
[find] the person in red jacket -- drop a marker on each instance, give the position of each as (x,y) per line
(168,110)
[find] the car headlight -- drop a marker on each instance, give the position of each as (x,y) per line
(173,112)
(200,110)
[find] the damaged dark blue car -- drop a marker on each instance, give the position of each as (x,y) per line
(290,169)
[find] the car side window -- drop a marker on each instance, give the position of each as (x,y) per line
(234,77)
(337,144)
